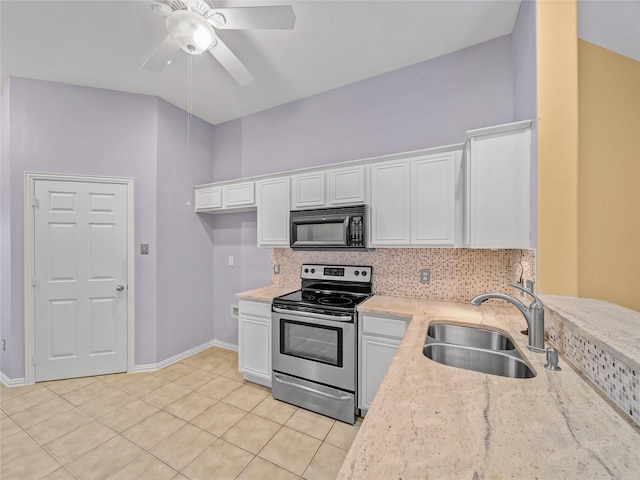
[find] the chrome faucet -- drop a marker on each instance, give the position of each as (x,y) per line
(534,314)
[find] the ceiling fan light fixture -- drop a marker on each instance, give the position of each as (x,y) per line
(191,32)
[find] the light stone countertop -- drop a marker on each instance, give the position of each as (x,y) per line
(433,421)
(612,324)
(265,294)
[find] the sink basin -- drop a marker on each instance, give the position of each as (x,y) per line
(503,363)
(477,337)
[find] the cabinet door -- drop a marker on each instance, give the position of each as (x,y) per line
(273,212)
(254,346)
(208,198)
(346,185)
(500,190)
(433,200)
(376,356)
(390,204)
(238,195)
(308,190)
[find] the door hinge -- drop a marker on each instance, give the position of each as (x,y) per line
(35,203)
(33,281)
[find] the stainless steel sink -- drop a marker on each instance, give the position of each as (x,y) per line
(475,348)
(470,336)
(505,363)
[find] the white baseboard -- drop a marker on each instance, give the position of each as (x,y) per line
(149,367)
(12,382)
(152,367)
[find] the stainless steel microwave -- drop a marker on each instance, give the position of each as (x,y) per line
(329,228)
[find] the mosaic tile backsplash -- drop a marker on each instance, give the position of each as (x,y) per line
(616,376)
(457,274)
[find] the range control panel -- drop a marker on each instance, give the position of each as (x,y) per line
(345,273)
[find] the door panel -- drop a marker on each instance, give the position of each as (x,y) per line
(80,258)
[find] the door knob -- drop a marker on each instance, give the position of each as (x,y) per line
(120,288)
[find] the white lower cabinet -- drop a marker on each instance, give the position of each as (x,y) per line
(378,341)
(254,341)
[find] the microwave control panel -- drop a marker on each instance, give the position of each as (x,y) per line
(356,231)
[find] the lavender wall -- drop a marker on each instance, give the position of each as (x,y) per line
(525,105)
(424,105)
(184,239)
(57,128)
(5,238)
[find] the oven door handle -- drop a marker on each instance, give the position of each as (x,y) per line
(336,318)
(309,389)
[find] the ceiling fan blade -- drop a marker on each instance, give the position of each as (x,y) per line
(162,55)
(231,63)
(279,17)
(161,9)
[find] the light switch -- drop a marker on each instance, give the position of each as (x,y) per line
(144,249)
(231,260)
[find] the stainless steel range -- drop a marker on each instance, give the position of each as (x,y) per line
(314,336)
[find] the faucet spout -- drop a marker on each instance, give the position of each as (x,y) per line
(533,314)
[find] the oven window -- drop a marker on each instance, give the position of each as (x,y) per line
(317,343)
(320,232)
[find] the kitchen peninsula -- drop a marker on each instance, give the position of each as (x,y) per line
(433,421)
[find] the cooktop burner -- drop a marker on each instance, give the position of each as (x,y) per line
(336,301)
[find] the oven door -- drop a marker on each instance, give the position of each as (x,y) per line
(323,231)
(315,348)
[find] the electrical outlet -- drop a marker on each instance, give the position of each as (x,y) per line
(4,345)
(425,275)
(276,269)
(234,311)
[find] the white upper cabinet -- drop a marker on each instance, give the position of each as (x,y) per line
(346,186)
(433,200)
(328,188)
(390,204)
(498,163)
(308,190)
(219,198)
(208,198)
(413,201)
(273,212)
(239,195)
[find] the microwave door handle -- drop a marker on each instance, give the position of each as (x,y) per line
(337,318)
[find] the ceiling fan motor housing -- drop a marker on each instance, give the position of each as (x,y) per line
(191,32)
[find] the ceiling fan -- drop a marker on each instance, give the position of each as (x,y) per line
(191,27)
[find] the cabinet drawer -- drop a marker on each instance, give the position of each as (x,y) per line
(389,327)
(258,309)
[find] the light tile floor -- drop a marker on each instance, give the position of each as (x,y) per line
(196,419)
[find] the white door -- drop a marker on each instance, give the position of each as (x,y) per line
(80,266)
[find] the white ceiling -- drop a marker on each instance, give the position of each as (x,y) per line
(104,43)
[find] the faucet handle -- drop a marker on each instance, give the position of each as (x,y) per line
(537,303)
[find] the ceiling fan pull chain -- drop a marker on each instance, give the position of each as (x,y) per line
(189,99)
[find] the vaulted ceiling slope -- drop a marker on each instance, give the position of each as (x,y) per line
(104,44)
